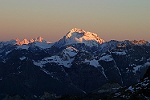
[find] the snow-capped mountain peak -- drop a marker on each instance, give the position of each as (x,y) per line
(76,35)
(81,35)
(25,41)
(38,42)
(38,39)
(73,31)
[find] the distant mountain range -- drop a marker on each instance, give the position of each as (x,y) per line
(79,63)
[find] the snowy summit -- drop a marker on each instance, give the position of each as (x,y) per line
(76,35)
(25,41)
(39,42)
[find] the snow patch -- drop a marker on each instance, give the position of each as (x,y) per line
(147,64)
(70,51)
(93,62)
(23,58)
(6,53)
(49,73)
(54,59)
(39,63)
(139,67)
(120,53)
(43,45)
(25,47)
(131,89)
(148,59)
(106,58)
(103,72)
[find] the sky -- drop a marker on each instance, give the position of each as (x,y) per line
(52,19)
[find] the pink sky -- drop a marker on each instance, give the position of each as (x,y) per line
(52,19)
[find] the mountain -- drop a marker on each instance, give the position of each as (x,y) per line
(112,91)
(78,64)
(39,42)
(76,36)
(140,90)
(25,41)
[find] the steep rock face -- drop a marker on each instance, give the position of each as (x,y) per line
(19,75)
(140,90)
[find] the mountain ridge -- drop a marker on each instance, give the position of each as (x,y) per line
(70,68)
(74,36)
